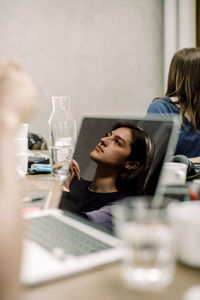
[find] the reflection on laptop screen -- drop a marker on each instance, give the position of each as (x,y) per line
(59,244)
(163,133)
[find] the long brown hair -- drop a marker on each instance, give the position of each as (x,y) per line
(134,181)
(184,83)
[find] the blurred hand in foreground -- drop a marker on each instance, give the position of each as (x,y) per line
(18,95)
(18,98)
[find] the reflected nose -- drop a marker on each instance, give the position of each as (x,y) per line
(103,141)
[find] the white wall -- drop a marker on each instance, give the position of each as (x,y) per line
(179,29)
(106,54)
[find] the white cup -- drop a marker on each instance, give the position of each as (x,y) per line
(21,148)
(20,145)
(22,131)
(22,163)
(174,173)
(185,221)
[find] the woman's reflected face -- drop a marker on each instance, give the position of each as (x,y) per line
(114,148)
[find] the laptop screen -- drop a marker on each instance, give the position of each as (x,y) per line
(60,244)
(163,132)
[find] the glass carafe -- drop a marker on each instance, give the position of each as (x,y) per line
(62,128)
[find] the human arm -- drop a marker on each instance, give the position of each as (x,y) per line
(18,99)
(102,216)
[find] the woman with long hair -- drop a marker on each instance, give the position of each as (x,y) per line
(123,158)
(182,98)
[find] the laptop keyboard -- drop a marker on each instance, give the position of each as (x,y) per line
(55,235)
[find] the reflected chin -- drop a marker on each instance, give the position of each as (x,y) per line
(94,155)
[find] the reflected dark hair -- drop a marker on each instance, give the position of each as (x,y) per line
(134,181)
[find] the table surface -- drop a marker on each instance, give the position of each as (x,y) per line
(103,282)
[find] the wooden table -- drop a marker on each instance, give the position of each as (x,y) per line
(103,283)
(44,182)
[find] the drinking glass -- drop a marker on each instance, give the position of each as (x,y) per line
(148,261)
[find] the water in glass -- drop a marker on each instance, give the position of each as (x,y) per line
(62,127)
(148,257)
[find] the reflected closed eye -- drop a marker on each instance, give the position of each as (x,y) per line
(117,142)
(108,134)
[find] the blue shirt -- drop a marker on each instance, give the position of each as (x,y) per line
(188,141)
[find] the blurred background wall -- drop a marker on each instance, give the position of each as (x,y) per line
(106,54)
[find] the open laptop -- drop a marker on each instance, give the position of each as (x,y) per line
(58,244)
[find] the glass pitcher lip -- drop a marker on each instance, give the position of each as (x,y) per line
(60,97)
(63,102)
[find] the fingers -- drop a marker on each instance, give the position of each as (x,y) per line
(9,66)
(18,94)
(78,175)
(76,172)
(15,64)
(65,189)
(76,165)
(75,168)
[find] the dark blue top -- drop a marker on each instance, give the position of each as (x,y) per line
(189,141)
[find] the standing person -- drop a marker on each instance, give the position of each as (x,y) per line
(123,160)
(17,103)
(182,98)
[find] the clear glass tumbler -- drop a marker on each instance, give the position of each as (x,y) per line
(149,261)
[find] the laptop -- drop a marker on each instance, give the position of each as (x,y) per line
(39,197)
(59,244)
